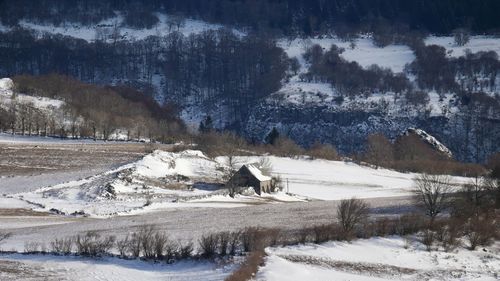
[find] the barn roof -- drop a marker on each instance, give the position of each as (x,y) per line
(257,173)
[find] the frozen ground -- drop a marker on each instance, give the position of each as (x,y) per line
(379,259)
(54,268)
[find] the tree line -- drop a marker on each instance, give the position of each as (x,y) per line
(89,111)
(283,16)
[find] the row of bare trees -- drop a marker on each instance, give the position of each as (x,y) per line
(87,112)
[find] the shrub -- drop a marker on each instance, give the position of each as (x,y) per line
(428,237)
(223,239)
(123,246)
(209,245)
(480,231)
(61,246)
(92,244)
(350,213)
(234,242)
(32,247)
(185,250)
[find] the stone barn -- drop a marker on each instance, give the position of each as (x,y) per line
(250,175)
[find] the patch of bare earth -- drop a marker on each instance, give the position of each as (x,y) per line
(22,212)
(31,159)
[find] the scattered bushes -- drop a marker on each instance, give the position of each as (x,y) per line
(61,246)
(92,244)
(208,245)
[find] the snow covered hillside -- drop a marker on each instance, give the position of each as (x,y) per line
(378,259)
(361,50)
(114,29)
(476,44)
(7,98)
(163,180)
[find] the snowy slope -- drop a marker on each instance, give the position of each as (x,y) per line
(365,53)
(476,44)
(335,180)
(378,259)
(108,26)
(38,267)
(6,91)
(163,180)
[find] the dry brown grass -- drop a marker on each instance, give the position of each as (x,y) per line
(18,212)
(249,268)
(29,159)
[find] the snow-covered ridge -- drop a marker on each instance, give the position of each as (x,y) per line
(432,141)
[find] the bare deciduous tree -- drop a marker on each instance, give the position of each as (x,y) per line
(351,212)
(432,193)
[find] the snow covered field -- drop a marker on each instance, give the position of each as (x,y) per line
(379,259)
(336,180)
(476,44)
(164,180)
(52,268)
(365,53)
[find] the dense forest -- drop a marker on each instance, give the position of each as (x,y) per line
(285,16)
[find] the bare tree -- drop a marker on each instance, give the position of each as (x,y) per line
(461,36)
(350,213)
(432,193)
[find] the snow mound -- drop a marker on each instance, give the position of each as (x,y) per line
(188,163)
(432,141)
(6,84)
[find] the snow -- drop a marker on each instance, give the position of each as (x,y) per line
(67,268)
(365,53)
(336,180)
(6,91)
(387,255)
(257,173)
(169,180)
(107,27)
(430,140)
(476,44)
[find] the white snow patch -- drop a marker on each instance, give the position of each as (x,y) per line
(460,264)
(110,269)
(476,44)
